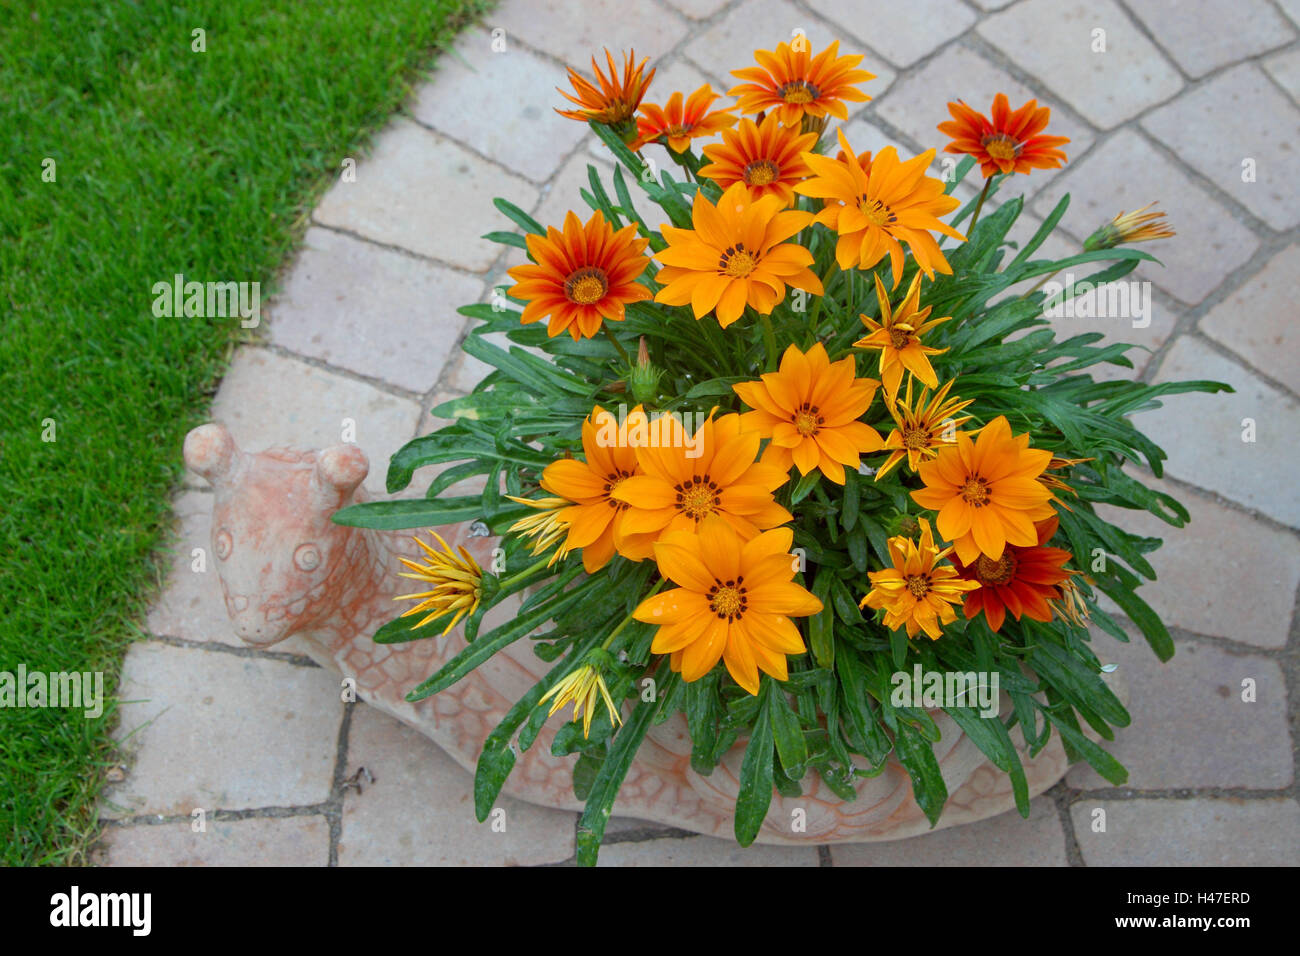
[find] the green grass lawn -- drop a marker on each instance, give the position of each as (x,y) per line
(166,161)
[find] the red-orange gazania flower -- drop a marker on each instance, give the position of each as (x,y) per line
(680,123)
(1010,142)
(767,158)
(737,254)
(874,215)
(581,276)
(596,521)
(616,99)
(810,410)
(1024,581)
(733,600)
(986,491)
(685,478)
(792,83)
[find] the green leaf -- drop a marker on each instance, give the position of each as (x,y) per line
(520,218)
(916,754)
(756,772)
(791,745)
(410,513)
(821,628)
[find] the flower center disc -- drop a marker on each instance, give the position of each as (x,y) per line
(697,497)
(899,338)
(877,213)
(761,172)
(996,572)
(611,483)
(807,419)
(737,262)
(918,584)
(799,91)
(727,599)
(586,286)
(975,492)
(915,439)
(679,130)
(1000,146)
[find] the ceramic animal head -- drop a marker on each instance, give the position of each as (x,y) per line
(284,565)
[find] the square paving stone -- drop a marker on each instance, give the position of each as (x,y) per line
(574,34)
(419,811)
(255,841)
(1197,35)
(1203,831)
(1123,174)
(1285,70)
(219,731)
(1057,41)
(902,32)
(1203,434)
(1005,840)
(1190,726)
(1242,134)
(370,310)
(426,194)
(1258,321)
(501,103)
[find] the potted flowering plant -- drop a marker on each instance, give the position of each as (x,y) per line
(801,432)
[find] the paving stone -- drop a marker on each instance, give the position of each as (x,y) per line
(1190,726)
(1197,832)
(427,194)
(573,35)
(1182,28)
(1124,174)
(917,104)
(390,316)
(1238,127)
(697,9)
(1005,840)
(1203,433)
(501,104)
(419,811)
(219,731)
(991,4)
(903,33)
(1292,9)
(704,851)
(1224,573)
(1258,320)
(729,44)
(1285,70)
(255,841)
(269,400)
(1054,39)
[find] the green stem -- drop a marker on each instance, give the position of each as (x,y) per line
(507,583)
(817,306)
(628,620)
(979,205)
(621,351)
(769,339)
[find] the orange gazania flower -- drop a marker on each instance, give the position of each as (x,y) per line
(917,593)
(735,255)
(922,427)
(734,601)
(1024,581)
(616,100)
(679,123)
(875,214)
(898,337)
(810,410)
(581,276)
(768,158)
(596,521)
(986,492)
(713,472)
(1008,143)
(792,84)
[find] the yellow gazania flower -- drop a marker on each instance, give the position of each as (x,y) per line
(687,478)
(898,337)
(581,688)
(734,601)
(917,593)
(875,214)
(546,527)
(680,123)
(986,492)
(767,158)
(735,255)
(457,583)
(596,521)
(810,410)
(1138,226)
(792,84)
(616,100)
(922,427)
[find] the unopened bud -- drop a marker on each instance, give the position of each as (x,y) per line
(643,377)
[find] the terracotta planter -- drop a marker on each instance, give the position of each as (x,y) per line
(286,569)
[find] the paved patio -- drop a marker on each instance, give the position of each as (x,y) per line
(1187,95)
